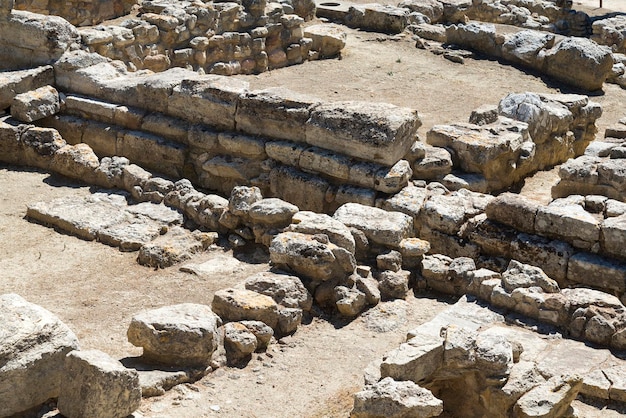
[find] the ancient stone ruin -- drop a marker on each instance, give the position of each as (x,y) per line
(350,205)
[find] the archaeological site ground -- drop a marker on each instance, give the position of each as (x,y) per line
(312,209)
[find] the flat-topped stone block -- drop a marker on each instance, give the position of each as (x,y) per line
(376,132)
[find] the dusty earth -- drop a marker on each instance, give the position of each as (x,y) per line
(96,289)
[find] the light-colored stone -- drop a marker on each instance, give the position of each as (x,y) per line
(392,399)
(550,399)
(379,226)
(376,132)
(328,40)
(240,304)
(308,222)
(97,385)
(285,289)
(33,345)
(177,335)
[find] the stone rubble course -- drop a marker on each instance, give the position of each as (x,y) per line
(99,386)
(178,335)
(522,373)
(33,346)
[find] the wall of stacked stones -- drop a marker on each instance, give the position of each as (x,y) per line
(78,13)
(222,38)
(215,131)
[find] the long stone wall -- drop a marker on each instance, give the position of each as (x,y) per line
(201,127)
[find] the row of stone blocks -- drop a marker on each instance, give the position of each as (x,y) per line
(78,13)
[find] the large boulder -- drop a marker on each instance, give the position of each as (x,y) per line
(579,62)
(328,40)
(98,386)
(33,346)
(178,335)
(31,39)
(36,104)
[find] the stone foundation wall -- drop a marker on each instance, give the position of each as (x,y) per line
(205,128)
(221,38)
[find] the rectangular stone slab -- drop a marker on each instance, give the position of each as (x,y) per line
(377,132)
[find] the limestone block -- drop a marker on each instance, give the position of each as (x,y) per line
(593,63)
(285,152)
(431,32)
(346,193)
(436,267)
(261,331)
(410,200)
(36,104)
(415,360)
(178,335)
(369,286)
(613,237)
(17,82)
(432,9)
(392,180)
(596,385)
(80,218)
(210,99)
(75,161)
(34,344)
(240,304)
(242,198)
(242,145)
(286,290)
(102,138)
(33,39)
(617,377)
(524,47)
(436,164)
(376,132)
(90,108)
(389,260)
(328,40)
(99,386)
(445,213)
(275,112)
(307,222)
(570,223)
(349,301)
(239,341)
(596,271)
(272,212)
(613,173)
(377,18)
(583,298)
(326,162)
(304,190)
(550,399)
(311,256)
(153,152)
(513,210)
(518,275)
(167,127)
(393,399)
(479,37)
(492,150)
(177,245)
(394,284)
(378,225)
(552,256)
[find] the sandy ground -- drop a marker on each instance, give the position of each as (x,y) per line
(96,289)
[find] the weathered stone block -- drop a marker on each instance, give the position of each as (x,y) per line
(597,272)
(378,225)
(210,99)
(614,236)
(378,132)
(16,82)
(276,112)
(36,104)
(33,345)
(99,386)
(178,335)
